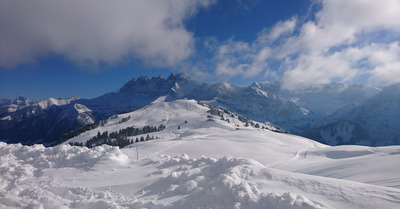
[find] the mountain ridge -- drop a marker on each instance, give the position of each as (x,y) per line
(294,111)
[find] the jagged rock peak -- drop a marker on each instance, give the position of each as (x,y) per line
(73,98)
(144,82)
(21,98)
(179,76)
(143,78)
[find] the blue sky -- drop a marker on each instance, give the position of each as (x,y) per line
(87,48)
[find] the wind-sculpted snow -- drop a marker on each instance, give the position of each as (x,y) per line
(221,183)
(21,168)
(104,177)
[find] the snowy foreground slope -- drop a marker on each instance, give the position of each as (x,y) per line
(203,164)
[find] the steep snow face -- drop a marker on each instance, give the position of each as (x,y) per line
(77,112)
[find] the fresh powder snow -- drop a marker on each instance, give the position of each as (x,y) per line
(202,164)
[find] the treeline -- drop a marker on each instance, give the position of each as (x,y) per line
(120,138)
(86,128)
(220,111)
(72,134)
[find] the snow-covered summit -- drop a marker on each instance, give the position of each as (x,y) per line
(308,112)
(8,106)
(180,117)
(260,105)
(42,121)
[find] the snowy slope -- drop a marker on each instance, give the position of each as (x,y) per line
(189,115)
(203,164)
(105,177)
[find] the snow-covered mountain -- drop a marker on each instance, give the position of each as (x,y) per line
(45,126)
(186,116)
(313,112)
(142,91)
(205,157)
(249,101)
(373,122)
(9,107)
(322,99)
(344,114)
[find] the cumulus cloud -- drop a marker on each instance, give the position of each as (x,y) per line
(333,47)
(249,60)
(97,31)
(277,31)
(230,58)
(345,41)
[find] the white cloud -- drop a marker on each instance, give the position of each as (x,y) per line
(340,27)
(249,60)
(314,69)
(231,58)
(379,62)
(346,41)
(386,63)
(360,14)
(97,31)
(277,31)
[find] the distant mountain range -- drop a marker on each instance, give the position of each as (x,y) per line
(331,113)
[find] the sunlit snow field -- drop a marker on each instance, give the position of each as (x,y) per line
(204,164)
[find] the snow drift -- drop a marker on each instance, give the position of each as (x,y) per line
(104,177)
